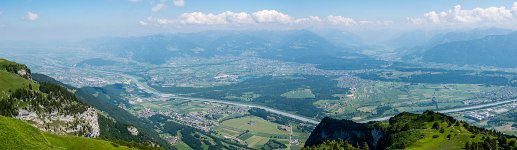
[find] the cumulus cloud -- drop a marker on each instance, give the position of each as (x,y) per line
(308,20)
(468,16)
(158,7)
(271,16)
(178,3)
(31,16)
(258,17)
(340,20)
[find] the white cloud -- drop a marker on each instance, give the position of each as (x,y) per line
(259,17)
(255,18)
(308,20)
(178,3)
(156,21)
(271,16)
(340,20)
(31,16)
(143,23)
(239,18)
(201,18)
(158,7)
(469,16)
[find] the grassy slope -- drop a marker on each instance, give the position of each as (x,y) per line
(16,134)
(11,82)
(459,136)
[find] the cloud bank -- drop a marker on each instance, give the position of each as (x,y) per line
(458,15)
(255,18)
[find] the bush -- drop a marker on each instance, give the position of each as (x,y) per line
(435,136)
(436,125)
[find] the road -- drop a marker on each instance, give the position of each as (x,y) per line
(452,110)
(165,96)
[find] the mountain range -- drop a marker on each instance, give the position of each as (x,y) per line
(492,50)
(300,46)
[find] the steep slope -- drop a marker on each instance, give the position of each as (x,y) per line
(108,98)
(114,122)
(496,50)
(50,106)
(46,106)
(411,131)
(16,134)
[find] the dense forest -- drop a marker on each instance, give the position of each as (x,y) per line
(49,98)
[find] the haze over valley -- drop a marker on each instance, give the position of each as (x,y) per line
(184,76)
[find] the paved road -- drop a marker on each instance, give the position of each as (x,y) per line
(452,110)
(166,96)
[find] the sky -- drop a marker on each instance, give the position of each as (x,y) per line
(83,19)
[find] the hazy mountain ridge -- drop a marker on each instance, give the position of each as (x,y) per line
(282,45)
(427,40)
(494,50)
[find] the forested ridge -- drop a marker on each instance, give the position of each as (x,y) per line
(429,130)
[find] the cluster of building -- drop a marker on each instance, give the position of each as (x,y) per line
(483,114)
(193,73)
(500,94)
(200,120)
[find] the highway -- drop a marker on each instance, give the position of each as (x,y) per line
(452,109)
(166,96)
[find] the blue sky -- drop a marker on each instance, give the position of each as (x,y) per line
(73,20)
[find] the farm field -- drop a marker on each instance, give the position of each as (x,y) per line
(255,131)
(385,98)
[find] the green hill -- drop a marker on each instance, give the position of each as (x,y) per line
(45,97)
(9,78)
(16,134)
(429,130)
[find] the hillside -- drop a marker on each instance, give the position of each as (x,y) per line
(50,106)
(16,134)
(494,50)
(429,130)
(47,106)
